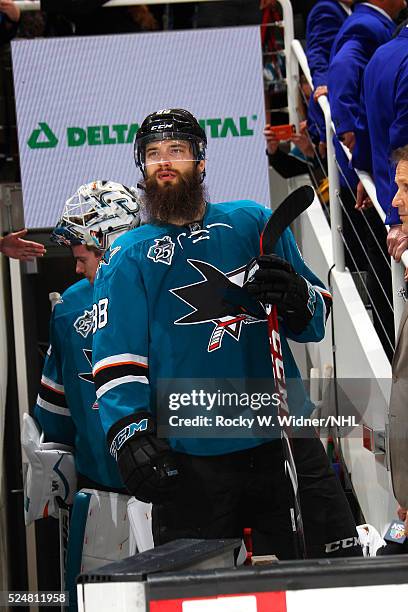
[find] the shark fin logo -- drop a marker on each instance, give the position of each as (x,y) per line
(218,299)
(42,137)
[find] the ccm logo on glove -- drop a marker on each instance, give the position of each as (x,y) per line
(124,434)
(147,464)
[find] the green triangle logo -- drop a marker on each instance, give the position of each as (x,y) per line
(42,137)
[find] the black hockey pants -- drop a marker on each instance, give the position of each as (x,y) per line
(220,495)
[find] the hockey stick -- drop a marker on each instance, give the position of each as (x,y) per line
(286,213)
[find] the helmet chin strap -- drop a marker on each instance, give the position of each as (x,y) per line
(202,176)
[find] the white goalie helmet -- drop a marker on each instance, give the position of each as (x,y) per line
(97,214)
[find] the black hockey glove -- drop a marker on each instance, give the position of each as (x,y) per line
(276,282)
(147,464)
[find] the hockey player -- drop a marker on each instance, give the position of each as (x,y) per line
(165,313)
(67,408)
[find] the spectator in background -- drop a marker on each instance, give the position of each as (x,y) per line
(383,127)
(301,158)
(9,20)
(323,24)
(370,26)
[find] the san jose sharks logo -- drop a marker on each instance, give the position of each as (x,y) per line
(83,324)
(162,251)
(218,299)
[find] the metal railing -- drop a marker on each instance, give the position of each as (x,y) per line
(397,269)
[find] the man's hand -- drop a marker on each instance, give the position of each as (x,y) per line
(14,246)
(302,141)
(272,143)
(322,90)
(10,10)
(397,242)
(276,282)
(363,202)
(146,463)
(349,140)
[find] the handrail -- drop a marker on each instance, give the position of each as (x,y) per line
(334,186)
(398,282)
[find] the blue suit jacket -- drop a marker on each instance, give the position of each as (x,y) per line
(324,21)
(359,37)
(383,127)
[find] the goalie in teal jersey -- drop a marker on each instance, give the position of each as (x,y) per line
(66,408)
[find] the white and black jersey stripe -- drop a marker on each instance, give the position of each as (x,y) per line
(118,370)
(51,397)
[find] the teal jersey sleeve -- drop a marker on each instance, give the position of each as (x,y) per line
(120,320)
(51,409)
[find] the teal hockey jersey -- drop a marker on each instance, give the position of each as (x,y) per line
(159,316)
(66,407)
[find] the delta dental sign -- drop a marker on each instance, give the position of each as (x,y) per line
(80,101)
(44,138)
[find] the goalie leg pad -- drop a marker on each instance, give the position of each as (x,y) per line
(49,474)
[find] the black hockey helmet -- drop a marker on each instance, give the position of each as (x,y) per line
(170,124)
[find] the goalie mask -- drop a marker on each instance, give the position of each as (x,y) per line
(170,124)
(97,214)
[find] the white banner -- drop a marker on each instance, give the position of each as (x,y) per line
(80,101)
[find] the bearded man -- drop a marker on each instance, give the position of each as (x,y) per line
(169,317)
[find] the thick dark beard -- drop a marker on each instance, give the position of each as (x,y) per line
(183,201)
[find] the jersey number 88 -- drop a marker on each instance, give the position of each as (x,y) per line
(100,314)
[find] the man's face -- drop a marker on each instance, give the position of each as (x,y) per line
(166,160)
(173,185)
(400,200)
(87,261)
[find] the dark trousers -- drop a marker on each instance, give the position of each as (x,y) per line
(221,495)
